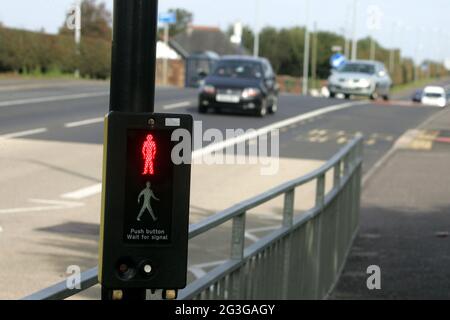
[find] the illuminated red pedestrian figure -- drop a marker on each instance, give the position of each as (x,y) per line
(149,153)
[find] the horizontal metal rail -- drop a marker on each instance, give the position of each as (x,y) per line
(324,234)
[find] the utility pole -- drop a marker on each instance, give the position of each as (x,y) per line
(355,25)
(306,52)
(314,57)
(347,32)
(372,49)
(77,34)
(165,60)
(392,51)
(257,18)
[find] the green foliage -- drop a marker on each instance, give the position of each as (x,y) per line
(285,49)
(184,19)
(96,21)
(26,52)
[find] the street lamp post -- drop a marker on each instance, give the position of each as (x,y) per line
(77,34)
(306,52)
(355,40)
(256,42)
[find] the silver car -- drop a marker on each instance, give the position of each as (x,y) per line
(361,78)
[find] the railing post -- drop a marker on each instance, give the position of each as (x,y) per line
(237,253)
(337,175)
(320,191)
(288,208)
(320,199)
(288,221)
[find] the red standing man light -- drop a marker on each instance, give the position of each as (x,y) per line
(149,153)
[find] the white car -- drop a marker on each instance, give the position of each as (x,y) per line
(434,96)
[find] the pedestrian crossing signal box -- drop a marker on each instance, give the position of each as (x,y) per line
(145,201)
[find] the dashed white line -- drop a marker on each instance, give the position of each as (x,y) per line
(83,193)
(97,188)
(52,99)
(23,133)
(278,125)
(177,105)
(49,205)
(84,122)
(198,269)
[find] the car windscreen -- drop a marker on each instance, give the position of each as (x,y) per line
(358,67)
(238,69)
(434,95)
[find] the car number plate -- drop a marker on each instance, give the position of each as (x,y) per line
(229,98)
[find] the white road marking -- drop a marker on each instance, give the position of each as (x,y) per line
(53,99)
(178,105)
(83,193)
(49,205)
(23,133)
(198,269)
(251,236)
(263,229)
(278,125)
(84,122)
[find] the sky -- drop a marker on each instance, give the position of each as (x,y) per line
(418,28)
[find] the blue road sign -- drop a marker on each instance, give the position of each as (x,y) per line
(337,60)
(168,17)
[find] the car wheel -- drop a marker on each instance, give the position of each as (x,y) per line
(347,96)
(274,108)
(262,111)
(374,95)
(332,95)
(202,109)
(386,97)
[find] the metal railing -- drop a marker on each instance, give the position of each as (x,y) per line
(300,260)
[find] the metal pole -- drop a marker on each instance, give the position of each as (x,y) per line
(355,40)
(77,34)
(133,78)
(165,65)
(372,49)
(134,56)
(256,42)
(392,52)
(347,33)
(314,57)
(306,53)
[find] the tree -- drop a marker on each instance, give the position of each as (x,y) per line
(96,21)
(184,19)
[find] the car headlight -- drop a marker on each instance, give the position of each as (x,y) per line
(365,83)
(208,89)
(250,93)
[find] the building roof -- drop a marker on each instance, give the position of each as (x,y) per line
(197,39)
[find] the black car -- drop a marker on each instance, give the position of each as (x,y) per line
(240,83)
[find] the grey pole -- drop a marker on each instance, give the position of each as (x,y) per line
(166,62)
(257,34)
(77,34)
(372,49)
(355,25)
(306,53)
(392,51)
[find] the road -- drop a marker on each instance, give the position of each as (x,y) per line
(51,135)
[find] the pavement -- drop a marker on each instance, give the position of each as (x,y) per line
(51,136)
(405,221)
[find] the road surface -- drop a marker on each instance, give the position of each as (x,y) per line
(51,135)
